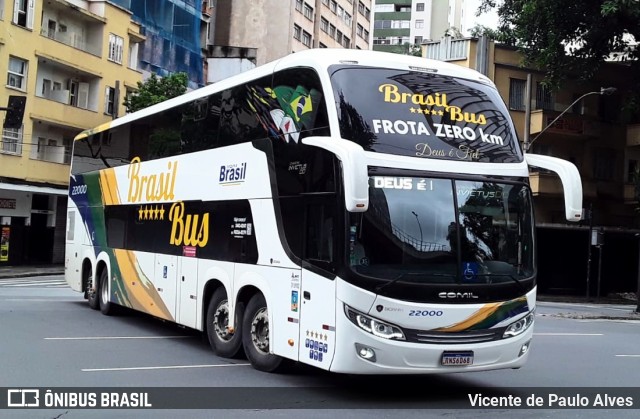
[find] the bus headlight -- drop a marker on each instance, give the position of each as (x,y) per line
(518,327)
(374,326)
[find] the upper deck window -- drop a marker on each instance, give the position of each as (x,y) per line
(423,115)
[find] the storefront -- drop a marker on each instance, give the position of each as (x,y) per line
(32,224)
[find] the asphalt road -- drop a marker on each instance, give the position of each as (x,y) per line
(50,338)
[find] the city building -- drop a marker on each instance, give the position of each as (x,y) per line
(177,33)
(275,28)
(576,123)
(399,24)
(72,60)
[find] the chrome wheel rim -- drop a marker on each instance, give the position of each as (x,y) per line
(221,321)
(104,292)
(260,330)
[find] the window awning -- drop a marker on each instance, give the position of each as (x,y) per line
(34,189)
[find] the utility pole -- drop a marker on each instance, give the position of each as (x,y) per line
(527,114)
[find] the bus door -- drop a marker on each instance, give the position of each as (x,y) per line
(317,288)
(165,278)
(187,291)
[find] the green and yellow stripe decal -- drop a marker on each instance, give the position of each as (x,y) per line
(489,315)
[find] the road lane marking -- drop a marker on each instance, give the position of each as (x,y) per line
(568,334)
(116,337)
(629,356)
(163,367)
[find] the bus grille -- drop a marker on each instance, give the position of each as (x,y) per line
(441,338)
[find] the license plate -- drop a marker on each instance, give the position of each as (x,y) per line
(457,358)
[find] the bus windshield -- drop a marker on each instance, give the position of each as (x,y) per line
(443,231)
(424,115)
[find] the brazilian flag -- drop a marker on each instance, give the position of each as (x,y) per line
(299,104)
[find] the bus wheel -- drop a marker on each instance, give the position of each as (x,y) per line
(225,343)
(105,305)
(256,334)
(91,294)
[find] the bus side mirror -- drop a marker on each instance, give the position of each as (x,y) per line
(354,169)
(15,112)
(571,183)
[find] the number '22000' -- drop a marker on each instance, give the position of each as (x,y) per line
(425,313)
(79,190)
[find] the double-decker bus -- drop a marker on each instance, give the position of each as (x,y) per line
(357,211)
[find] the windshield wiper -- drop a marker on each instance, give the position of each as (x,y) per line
(510,276)
(407,274)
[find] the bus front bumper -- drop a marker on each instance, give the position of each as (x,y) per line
(358,352)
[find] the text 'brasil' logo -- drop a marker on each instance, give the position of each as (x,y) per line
(392,95)
(233,174)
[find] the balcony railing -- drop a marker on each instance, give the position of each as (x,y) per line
(51,153)
(448,49)
(72,39)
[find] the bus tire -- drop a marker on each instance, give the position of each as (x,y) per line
(103,290)
(223,342)
(256,335)
(91,292)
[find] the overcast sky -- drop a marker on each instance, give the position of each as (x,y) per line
(489,20)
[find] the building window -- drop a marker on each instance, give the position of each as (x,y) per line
(333,6)
(516,94)
(324,25)
(17,74)
(633,171)
(109,100)
(419,23)
(417,40)
(326,3)
(332,31)
(367,13)
(306,38)
(361,8)
(11,141)
(321,45)
(23,13)
(347,19)
(578,107)
(419,7)
(544,98)
(604,160)
(299,5)
(366,35)
(359,30)
(346,42)
(340,11)
(339,37)
(308,11)
(116,45)
(297,32)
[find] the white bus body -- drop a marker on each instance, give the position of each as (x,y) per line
(166,231)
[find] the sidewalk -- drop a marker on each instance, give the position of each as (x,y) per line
(24,270)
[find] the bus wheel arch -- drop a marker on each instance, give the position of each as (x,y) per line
(90,290)
(223,341)
(256,335)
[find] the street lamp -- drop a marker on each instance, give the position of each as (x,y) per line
(603,91)
(420,227)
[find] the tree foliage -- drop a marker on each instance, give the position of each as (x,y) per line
(155,90)
(479,30)
(571,38)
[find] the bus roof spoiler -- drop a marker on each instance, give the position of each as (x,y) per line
(354,169)
(570,178)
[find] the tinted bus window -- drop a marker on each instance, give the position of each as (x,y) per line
(423,115)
